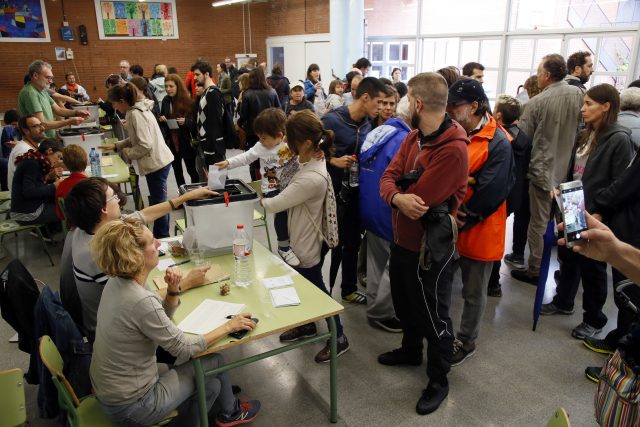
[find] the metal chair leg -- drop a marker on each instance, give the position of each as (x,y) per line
(44,245)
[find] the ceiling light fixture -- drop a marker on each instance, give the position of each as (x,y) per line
(227,2)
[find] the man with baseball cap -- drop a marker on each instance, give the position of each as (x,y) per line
(297,101)
(482,217)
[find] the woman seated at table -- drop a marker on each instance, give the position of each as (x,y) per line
(133,321)
(34,184)
(76,160)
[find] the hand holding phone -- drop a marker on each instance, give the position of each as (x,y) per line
(573,211)
(241,333)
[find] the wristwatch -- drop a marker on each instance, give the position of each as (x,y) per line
(175,293)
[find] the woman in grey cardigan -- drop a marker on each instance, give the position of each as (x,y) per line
(602,152)
(133,321)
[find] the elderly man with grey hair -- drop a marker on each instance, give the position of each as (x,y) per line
(629,115)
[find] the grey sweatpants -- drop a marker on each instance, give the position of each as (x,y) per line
(379,302)
(475,279)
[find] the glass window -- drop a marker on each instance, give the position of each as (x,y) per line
(376,71)
(462,16)
(614,54)
(389,18)
(405,51)
(520,53)
(439,53)
(490,53)
(545,47)
(394,51)
(377,52)
(469,51)
(490,83)
(579,44)
(619,81)
(514,80)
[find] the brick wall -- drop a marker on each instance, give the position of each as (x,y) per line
(204,31)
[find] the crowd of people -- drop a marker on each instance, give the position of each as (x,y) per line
(425,175)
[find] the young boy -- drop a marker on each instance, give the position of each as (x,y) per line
(507,111)
(297,101)
(274,154)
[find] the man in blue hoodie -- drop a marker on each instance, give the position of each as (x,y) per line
(351,125)
(376,153)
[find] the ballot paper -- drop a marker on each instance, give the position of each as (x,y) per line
(209,315)
(215,274)
(163,264)
(217,178)
(173,124)
(284,297)
(277,282)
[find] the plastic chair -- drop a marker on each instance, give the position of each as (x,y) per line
(9,226)
(65,229)
(80,412)
(12,404)
(260,216)
(560,418)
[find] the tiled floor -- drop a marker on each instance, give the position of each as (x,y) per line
(516,378)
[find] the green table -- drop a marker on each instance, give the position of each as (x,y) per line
(315,305)
(119,168)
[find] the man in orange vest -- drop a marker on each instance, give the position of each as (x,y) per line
(482,218)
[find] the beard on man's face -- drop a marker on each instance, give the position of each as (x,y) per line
(415,120)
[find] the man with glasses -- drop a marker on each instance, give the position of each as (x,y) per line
(34,99)
(125,75)
(90,204)
(32,132)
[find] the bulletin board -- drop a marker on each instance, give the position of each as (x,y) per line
(23,21)
(136,20)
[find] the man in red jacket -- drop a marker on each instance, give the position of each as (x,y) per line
(424,184)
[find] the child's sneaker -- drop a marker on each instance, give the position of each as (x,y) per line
(245,414)
(289,257)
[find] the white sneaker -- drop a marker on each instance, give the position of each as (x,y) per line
(289,257)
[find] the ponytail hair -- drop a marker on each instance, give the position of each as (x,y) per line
(306,126)
(125,92)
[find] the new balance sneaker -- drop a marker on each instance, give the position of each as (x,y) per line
(593,373)
(515,261)
(431,398)
(301,332)
(584,330)
(400,356)
(391,325)
(289,257)
(525,276)
(551,309)
(356,297)
(462,351)
(324,355)
(598,345)
(246,413)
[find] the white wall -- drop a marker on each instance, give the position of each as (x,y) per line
(299,52)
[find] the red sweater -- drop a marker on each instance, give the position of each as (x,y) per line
(65,187)
(445,163)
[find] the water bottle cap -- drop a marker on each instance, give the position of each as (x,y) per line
(355,156)
(240,226)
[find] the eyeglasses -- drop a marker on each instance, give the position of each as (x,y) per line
(49,78)
(39,125)
(114,197)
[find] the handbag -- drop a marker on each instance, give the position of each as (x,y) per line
(618,396)
(329,229)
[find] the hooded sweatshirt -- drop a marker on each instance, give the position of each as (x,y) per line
(444,159)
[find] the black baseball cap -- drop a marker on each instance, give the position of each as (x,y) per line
(466,91)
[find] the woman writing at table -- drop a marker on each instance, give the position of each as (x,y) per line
(133,321)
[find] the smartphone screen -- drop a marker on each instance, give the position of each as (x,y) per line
(575,220)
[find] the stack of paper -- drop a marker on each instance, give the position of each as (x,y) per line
(209,315)
(284,297)
(277,282)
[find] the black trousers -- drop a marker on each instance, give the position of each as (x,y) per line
(521,217)
(594,283)
(349,227)
(421,300)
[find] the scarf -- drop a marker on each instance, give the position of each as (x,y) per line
(72,88)
(43,160)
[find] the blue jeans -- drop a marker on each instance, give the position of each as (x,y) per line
(176,389)
(314,275)
(157,183)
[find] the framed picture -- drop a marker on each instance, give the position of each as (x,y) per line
(136,20)
(23,21)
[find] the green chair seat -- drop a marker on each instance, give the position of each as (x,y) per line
(12,404)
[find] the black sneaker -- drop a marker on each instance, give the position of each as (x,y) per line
(593,373)
(598,345)
(324,355)
(551,308)
(400,357)
(301,332)
(462,351)
(431,398)
(245,414)
(391,325)
(494,291)
(525,276)
(515,261)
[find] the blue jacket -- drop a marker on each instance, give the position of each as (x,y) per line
(378,150)
(309,90)
(349,137)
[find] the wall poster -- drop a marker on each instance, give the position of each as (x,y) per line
(136,20)
(23,21)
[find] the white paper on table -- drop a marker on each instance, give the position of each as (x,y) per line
(209,315)
(217,178)
(173,124)
(163,264)
(284,297)
(277,282)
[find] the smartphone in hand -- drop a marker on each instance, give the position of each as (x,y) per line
(240,334)
(573,211)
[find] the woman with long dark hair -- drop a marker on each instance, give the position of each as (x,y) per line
(602,152)
(313,86)
(176,105)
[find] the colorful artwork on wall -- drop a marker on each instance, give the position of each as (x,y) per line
(133,19)
(23,21)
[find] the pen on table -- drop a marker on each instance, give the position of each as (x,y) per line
(180,263)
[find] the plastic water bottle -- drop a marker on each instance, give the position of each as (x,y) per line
(241,256)
(354,173)
(94,160)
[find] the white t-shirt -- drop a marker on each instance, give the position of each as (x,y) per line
(271,162)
